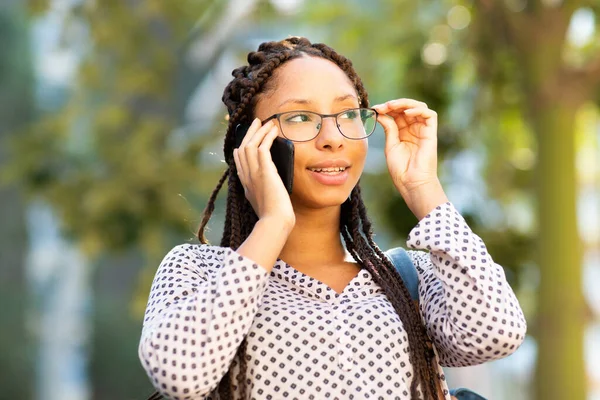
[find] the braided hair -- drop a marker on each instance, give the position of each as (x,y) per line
(241,96)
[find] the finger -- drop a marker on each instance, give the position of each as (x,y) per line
(423,112)
(264,150)
(258,135)
(402,103)
(244,163)
(239,167)
(391,131)
(251,148)
(422,115)
(400,118)
(251,130)
(399,105)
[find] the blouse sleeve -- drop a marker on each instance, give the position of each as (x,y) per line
(469,309)
(201,305)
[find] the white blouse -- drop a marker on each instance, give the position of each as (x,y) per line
(306,341)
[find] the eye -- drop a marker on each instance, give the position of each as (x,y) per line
(295,118)
(350,114)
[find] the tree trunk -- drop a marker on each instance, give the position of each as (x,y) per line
(553,94)
(560,372)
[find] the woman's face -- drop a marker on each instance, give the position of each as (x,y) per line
(318,85)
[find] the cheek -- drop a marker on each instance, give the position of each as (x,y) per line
(299,167)
(359,155)
(299,160)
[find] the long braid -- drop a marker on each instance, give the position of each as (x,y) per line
(345,215)
(422,336)
(240,98)
(231,209)
(210,207)
(234,203)
(384,273)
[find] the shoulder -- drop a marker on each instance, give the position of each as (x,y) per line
(195,254)
(192,250)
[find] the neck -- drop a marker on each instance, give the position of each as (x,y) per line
(315,239)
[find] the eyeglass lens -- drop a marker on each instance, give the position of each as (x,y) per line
(356,123)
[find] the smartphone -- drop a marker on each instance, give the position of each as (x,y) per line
(282,153)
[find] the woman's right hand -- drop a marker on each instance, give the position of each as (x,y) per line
(263,186)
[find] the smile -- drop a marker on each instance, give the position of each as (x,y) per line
(333,176)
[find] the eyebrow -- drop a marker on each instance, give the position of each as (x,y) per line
(305,101)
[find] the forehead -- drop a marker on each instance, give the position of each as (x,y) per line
(314,79)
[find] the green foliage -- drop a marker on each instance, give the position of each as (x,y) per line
(108,161)
(38,7)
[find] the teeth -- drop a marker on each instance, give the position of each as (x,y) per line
(334,169)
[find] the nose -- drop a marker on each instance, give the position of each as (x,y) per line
(329,136)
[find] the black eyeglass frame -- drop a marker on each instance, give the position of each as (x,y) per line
(322,116)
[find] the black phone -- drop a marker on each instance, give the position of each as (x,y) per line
(282,153)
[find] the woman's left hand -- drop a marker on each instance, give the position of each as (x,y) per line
(411,143)
(411,153)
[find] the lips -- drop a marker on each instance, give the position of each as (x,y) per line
(328,164)
(330,173)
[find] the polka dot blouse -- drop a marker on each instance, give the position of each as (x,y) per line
(306,341)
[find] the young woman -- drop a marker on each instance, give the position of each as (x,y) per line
(298,301)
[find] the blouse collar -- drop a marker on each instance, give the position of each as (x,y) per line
(362,285)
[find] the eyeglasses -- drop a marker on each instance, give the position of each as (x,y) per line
(303,126)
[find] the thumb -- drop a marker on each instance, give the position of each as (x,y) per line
(392,138)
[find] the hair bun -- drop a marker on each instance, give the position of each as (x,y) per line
(256,58)
(298,41)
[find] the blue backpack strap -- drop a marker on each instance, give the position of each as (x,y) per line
(466,394)
(401,260)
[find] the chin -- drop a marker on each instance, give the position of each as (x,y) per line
(322,198)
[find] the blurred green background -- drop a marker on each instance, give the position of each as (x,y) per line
(111,132)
